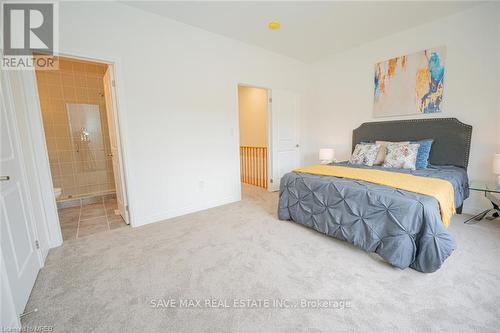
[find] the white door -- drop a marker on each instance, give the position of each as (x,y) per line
(9,317)
(285,135)
(109,96)
(17,234)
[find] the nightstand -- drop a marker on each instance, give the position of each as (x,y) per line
(488,189)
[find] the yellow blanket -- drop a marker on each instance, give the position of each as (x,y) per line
(440,189)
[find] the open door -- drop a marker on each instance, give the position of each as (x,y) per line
(110,99)
(285,135)
(19,246)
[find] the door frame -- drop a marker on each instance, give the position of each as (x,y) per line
(40,145)
(269,129)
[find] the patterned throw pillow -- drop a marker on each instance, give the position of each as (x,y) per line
(364,154)
(401,155)
(383,151)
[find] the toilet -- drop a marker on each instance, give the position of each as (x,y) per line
(57,192)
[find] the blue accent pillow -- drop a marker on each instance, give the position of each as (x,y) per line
(423,153)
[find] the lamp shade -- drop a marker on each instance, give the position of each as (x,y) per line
(326,154)
(496,164)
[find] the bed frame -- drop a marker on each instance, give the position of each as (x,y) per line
(452,138)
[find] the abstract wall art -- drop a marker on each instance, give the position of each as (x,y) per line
(410,84)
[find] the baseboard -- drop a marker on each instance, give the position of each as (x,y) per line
(137,222)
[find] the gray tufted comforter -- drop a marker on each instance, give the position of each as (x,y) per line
(403,227)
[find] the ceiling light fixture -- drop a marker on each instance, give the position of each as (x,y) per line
(274,25)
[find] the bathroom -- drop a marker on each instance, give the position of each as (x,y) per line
(81,144)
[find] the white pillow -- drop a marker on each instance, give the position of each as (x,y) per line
(364,154)
(383,151)
(401,155)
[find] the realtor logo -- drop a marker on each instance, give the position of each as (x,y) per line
(28,27)
(28,34)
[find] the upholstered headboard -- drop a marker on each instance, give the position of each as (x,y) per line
(451,137)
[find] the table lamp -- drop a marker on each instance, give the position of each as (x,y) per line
(326,155)
(496,167)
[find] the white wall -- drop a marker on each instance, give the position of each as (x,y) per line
(252,104)
(177,96)
(341,92)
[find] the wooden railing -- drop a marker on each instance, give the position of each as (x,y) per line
(254,165)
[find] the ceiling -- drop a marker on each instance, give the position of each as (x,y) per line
(309,30)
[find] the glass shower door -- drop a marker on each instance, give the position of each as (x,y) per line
(89,152)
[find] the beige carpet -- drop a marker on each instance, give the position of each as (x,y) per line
(108,282)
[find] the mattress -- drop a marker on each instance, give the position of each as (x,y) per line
(403,227)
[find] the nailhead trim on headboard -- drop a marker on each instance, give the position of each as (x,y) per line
(457,145)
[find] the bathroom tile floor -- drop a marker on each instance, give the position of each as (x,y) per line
(85,220)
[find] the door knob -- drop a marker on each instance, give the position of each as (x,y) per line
(4,178)
(297,145)
(110,155)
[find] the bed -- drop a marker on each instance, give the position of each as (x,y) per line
(404,228)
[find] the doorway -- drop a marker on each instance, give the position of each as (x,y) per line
(254,132)
(269,135)
(80,124)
